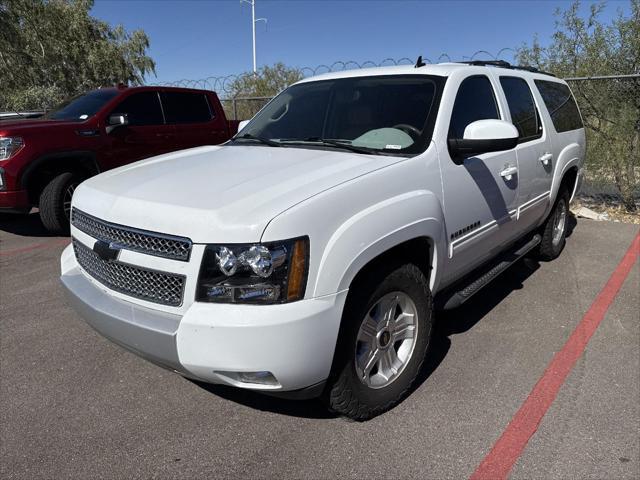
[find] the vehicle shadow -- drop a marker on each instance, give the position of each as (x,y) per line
(447,324)
(293,408)
(27,225)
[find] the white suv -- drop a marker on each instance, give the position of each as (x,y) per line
(306,255)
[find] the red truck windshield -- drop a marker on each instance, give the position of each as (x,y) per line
(83,106)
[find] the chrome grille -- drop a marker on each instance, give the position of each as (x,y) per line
(151,285)
(151,243)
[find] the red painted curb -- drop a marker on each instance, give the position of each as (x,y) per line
(509,447)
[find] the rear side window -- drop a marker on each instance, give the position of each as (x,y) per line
(142,109)
(524,113)
(475,101)
(186,107)
(561,105)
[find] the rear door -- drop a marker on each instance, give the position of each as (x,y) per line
(193,118)
(480,202)
(535,156)
(146,134)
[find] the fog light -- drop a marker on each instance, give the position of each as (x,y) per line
(255,378)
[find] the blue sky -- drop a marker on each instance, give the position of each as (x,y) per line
(196,39)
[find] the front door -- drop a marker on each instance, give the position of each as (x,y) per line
(480,193)
(146,134)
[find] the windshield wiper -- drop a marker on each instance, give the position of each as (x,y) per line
(339,144)
(266,141)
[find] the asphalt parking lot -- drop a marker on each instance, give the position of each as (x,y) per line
(73,405)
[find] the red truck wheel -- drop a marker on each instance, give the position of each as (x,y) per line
(55,203)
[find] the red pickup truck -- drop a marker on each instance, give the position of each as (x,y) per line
(42,160)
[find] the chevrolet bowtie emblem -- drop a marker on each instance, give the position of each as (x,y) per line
(105,251)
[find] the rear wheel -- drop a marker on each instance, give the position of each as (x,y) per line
(55,202)
(387,327)
(554,230)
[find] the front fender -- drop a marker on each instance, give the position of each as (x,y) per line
(376,230)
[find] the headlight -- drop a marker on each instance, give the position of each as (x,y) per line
(274,272)
(9,146)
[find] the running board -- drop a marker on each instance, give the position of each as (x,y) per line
(458,297)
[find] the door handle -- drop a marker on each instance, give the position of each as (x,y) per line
(546,158)
(509,172)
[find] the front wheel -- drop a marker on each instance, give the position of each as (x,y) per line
(55,203)
(383,344)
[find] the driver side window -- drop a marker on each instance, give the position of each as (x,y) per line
(142,109)
(475,100)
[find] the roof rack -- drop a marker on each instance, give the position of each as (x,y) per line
(503,64)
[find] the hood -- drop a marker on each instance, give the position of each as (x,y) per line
(24,125)
(218,194)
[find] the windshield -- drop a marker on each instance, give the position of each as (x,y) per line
(379,114)
(83,106)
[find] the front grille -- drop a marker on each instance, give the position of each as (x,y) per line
(151,285)
(151,243)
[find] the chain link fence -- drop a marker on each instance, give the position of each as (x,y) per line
(610,107)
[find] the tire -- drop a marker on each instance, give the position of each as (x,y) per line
(358,387)
(55,203)
(554,230)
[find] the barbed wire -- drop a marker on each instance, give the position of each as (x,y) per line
(224,84)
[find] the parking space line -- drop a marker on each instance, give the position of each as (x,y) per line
(509,447)
(16,251)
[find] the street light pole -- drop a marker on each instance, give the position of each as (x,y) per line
(253,30)
(254,20)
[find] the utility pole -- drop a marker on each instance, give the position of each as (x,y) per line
(254,20)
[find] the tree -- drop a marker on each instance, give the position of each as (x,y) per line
(54,49)
(256,89)
(586,47)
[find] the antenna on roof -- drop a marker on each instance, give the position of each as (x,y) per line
(419,62)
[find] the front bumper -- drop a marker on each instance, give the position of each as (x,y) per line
(295,342)
(16,200)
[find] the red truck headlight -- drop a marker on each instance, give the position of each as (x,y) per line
(9,146)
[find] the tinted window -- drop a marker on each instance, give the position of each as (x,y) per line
(474,101)
(301,114)
(561,105)
(524,113)
(83,106)
(183,107)
(142,109)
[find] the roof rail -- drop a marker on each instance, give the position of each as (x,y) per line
(503,64)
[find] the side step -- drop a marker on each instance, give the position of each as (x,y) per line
(504,261)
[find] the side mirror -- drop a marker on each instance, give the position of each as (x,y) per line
(483,136)
(117,120)
(243,124)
